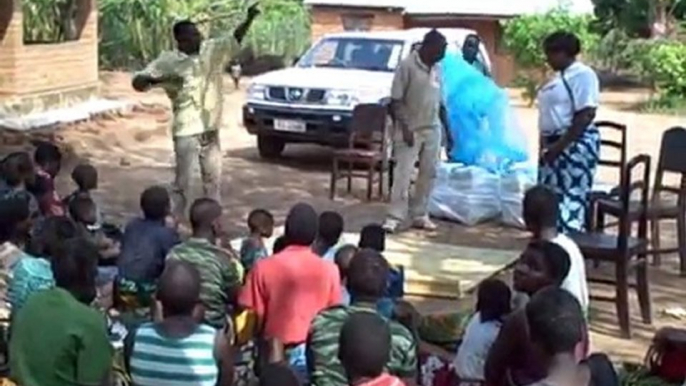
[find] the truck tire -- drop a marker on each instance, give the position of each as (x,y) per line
(270,147)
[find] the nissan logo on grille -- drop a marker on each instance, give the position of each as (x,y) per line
(295,94)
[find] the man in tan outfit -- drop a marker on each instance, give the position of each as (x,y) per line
(418,114)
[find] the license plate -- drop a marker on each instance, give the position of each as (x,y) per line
(289,125)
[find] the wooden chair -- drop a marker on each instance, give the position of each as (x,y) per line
(612,155)
(667,202)
(626,252)
(367,146)
(672,160)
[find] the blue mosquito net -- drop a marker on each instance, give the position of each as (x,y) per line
(482,122)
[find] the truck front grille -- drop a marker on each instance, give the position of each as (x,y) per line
(295,94)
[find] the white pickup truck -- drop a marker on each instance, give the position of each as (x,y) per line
(312,102)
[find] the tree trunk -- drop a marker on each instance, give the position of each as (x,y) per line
(659,18)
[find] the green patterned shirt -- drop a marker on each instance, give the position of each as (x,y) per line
(220,271)
(322,347)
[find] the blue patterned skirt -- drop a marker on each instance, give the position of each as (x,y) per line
(571,178)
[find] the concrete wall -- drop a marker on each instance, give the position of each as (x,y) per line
(330,19)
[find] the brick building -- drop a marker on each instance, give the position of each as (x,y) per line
(483,16)
(35,76)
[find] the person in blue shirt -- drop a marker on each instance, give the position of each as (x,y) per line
(145,244)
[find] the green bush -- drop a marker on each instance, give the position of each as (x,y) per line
(665,65)
(133,32)
(524,35)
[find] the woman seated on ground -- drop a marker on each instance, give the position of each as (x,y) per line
(512,359)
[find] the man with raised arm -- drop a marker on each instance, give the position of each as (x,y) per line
(191,75)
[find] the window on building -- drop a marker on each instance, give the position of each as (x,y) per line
(357,22)
(53,21)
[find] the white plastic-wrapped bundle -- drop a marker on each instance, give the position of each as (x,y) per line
(467,194)
(513,185)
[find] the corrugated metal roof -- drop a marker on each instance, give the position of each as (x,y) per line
(463,7)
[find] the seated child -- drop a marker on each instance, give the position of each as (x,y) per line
(364,349)
(85,176)
(146,242)
(48,161)
(277,374)
(17,173)
(261,226)
(492,305)
(374,236)
(328,235)
(82,210)
(280,244)
(342,260)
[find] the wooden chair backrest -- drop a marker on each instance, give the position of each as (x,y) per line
(630,188)
(672,160)
(612,140)
(368,126)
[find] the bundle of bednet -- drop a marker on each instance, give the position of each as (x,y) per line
(489,168)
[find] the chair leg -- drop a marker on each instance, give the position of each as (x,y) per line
(350,176)
(370,181)
(622,298)
(655,241)
(681,236)
(643,290)
(599,227)
(334,179)
(381,180)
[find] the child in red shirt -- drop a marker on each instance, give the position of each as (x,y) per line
(364,350)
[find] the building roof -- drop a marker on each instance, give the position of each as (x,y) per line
(461,7)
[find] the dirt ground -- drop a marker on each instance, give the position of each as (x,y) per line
(133,151)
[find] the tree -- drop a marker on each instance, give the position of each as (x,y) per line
(524,35)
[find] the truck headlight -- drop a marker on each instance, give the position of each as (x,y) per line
(341,98)
(256,92)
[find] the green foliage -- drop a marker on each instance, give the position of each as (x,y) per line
(630,16)
(133,32)
(45,20)
(664,63)
(524,36)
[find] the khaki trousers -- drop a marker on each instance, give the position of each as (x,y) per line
(426,150)
(206,150)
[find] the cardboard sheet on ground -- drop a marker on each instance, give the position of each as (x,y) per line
(437,269)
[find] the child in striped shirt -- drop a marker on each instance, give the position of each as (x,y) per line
(178,348)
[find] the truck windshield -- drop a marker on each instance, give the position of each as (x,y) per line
(354,53)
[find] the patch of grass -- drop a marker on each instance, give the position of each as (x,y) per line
(668,105)
(637,375)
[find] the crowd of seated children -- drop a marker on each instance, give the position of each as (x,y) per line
(333,313)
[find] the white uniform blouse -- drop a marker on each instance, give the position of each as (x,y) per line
(558,103)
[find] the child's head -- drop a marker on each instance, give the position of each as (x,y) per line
(48,157)
(330,228)
(301,225)
(15,218)
(373,236)
(367,275)
(556,321)
(364,346)
(155,203)
(53,233)
(85,176)
(277,374)
(280,244)
(540,209)
(494,300)
(76,267)
(343,257)
(82,210)
(542,264)
(406,314)
(17,169)
(261,222)
(178,290)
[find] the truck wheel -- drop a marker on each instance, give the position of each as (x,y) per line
(270,147)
